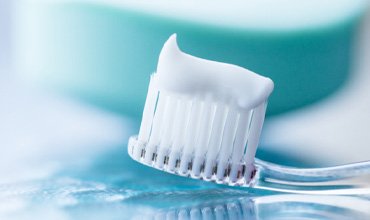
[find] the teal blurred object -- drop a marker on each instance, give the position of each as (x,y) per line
(104,53)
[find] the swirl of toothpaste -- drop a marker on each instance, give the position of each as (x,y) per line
(186,74)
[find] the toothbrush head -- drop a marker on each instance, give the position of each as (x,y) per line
(201,118)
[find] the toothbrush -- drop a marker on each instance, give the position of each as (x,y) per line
(203,119)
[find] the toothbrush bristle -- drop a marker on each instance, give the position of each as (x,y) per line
(201,137)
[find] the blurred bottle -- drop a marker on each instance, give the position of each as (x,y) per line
(104,51)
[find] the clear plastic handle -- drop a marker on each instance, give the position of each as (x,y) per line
(350,179)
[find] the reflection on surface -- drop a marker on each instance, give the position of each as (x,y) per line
(272,207)
(72,199)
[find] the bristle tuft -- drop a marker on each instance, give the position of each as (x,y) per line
(199,137)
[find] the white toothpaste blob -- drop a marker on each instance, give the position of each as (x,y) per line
(186,74)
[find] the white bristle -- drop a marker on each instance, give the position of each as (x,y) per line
(180,123)
(166,131)
(227,142)
(199,136)
(254,136)
(215,140)
(156,128)
(255,132)
(190,136)
(201,145)
(240,142)
(147,120)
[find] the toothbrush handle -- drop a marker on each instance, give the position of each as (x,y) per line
(350,179)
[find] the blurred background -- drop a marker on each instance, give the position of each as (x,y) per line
(73,80)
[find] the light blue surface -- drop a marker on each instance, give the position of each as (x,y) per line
(115,187)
